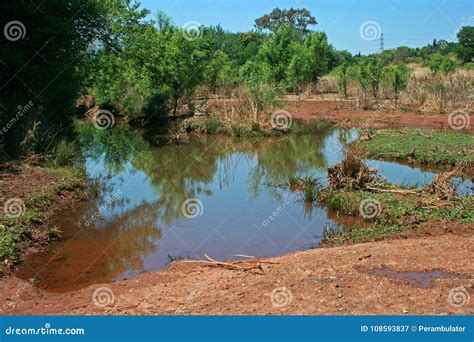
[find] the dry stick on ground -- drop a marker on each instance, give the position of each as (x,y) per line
(236,265)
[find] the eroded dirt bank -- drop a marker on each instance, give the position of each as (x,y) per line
(334,111)
(320,281)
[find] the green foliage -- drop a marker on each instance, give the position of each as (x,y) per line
(65,154)
(298,19)
(465,49)
(441,64)
(212,126)
(397,78)
(375,71)
(336,236)
(44,67)
(343,77)
(54,233)
(395,214)
(363,77)
(260,92)
(7,245)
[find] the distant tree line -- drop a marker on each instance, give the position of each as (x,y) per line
(112,52)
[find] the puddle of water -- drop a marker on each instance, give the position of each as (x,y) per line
(418,279)
(138,224)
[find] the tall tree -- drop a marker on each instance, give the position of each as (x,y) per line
(41,52)
(466,44)
(300,19)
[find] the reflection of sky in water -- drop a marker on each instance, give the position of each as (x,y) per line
(236,185)
(235,206)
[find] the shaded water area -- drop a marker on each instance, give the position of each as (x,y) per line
(140,220)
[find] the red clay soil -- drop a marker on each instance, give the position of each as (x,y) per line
(360,279)
(334,111)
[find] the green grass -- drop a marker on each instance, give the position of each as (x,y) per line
(54,233)
(355,234)
(8,247)
(395,214)
(40,203)
(423,146)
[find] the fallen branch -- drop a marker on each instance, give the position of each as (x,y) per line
(233,265)
(239,265)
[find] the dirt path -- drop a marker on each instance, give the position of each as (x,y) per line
(320,281)
(333,110)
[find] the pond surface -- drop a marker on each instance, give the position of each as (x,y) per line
(213,195)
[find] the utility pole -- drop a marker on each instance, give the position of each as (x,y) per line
(381,43)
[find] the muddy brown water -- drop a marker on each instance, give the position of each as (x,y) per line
(213,195)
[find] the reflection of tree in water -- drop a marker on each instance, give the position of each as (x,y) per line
(294,155)
(179,172)
(126,239)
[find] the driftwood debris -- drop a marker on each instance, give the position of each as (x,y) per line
(351,173)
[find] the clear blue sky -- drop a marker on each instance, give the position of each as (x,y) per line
(403,22)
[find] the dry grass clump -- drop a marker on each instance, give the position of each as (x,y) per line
(442,187)
(351,173)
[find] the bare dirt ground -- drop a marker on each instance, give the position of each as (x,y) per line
(339,112)
(423,273)
(338,280)
(23,182)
